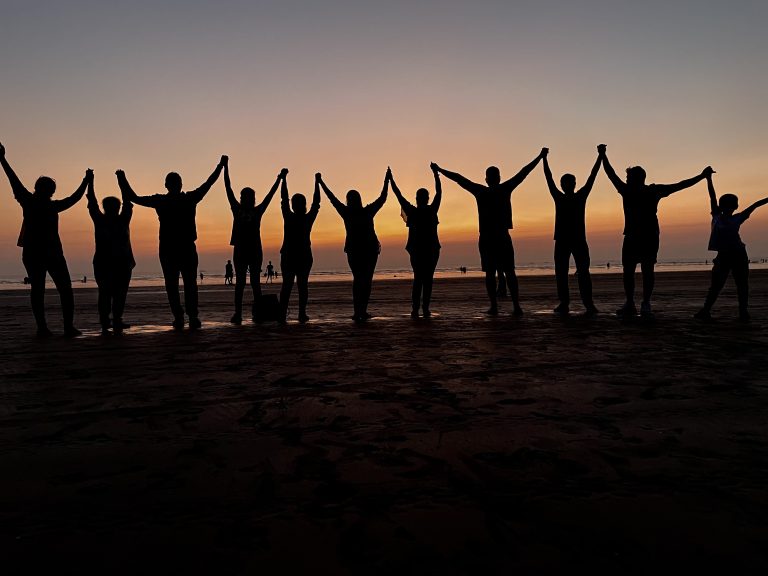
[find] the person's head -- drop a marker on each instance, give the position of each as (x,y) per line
(568,183)
(247,197)
(422,197)
(229,261)
(45,186)
(635,176)
(111,205)
(492,176)
(299,203)
(173,183)
(729,203)
(354,200)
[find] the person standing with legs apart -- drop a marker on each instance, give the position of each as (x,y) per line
(731,251)
(246,239)
(571,235)
(176,212)
(641,230)
(296,251)
(361,245)
(113,260)
(494,210)
(42,252)
(423,245)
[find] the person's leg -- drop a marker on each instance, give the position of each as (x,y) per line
(254,266)
(562,263)
(367,287)
(36,272)
(509,272)
(357,273)
(429,275)
(241,272)
(741,277)
(649,280)
(285,290)
(649,251)
(103,281)
(721,267)
(502,287)
(581,257)
(169,262)
(303,283)
(57,268)
(418,282)
(122,281)
(189,277)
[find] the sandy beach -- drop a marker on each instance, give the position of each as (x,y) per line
(459,445)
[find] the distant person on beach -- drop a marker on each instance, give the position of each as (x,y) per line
(246,240)
(731,251)
(494,210)
(361,245)
(113,261)
(423,245)
(641,230)
(176,212)
(229,273)
(296,251)
(571,234)
(270,274)
(202,277)
(39,239)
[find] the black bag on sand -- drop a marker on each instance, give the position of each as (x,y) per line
(268,308)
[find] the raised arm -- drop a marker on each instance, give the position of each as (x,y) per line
(587,188)
(667,189)
(403,202)
(233,203)
(199,193)
(93,203)
(438,188)
(316,196)
(19,191)
(713,207)
(285,206)
(553,189)
(518,178)
(379,202)
(129,195)
(617,182)
(74,198)
(747,212)
(335,202)
(271,194)
(472,187)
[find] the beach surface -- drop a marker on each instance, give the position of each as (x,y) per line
(462,444)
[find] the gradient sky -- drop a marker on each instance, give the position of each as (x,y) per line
(349,87)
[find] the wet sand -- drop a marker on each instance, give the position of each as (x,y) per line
(462,444)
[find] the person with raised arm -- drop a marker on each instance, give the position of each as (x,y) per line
(641,230)
(176,212)
(361,244)
(42,252)
(296,251)
(423,246)
(571,234)
(731,251)
(494,210)
(246,239)
(113,260)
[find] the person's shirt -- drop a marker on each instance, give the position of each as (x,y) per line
(297,229)
(725,231)
(246,225)
(494,208)
(113,235)
(176,213)
(641,206)
(361,234)
(40,227)
(422,224)
(570,215)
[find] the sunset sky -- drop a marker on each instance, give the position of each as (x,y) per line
(350,87)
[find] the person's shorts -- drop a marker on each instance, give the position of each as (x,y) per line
(639,250)
(497,253)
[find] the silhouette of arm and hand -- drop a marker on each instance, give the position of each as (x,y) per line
(74,198)
(517,179)
(403,202)
(19,190)
(271,194)
(472,187)
(233,203)
(129,196)
(667,189)
(199,193)
(315,198)
(438,187)
(379,202)
(335,202)
(587,188)
(714,208)
(285,205)
(553,189)
(93,203)
(617,182)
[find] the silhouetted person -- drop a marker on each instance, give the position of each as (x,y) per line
(202,277)
(176,212)
(641,229)
(113,260)
(494,210)
(423,245)
(246,239)
(42,252)
(361,244)
(731,251)
(229,273)
(296,251)
(270,272)
(571,234)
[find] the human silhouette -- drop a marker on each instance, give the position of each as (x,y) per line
(731,251)
(423,245)
(202,277)
(113,260)
(361,245)
(246,240)
(296,251)
(270,272)
(641,229)
(42,252)
(494,210)
(176,212)
(571,234)
(229,273)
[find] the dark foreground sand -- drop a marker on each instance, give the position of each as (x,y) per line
(463,444)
